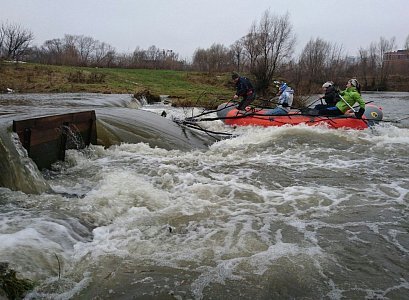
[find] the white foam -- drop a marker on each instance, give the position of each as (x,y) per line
(217,213)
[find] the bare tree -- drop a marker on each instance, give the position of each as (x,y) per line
(2,35)
(313,60)
(138,57)
(14,41)
(251,48)
(335,62)
(155,58)
(200,60)
(86,47)
(237,51)
(217,58)
(363,67)
(104,54)
(124,60)
(384,47)
(373,65)
(71,55)
(320,61)
(53,51)
(269,46)
(406,45)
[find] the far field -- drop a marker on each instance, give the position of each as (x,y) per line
(184,87)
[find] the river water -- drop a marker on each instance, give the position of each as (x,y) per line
(271,213)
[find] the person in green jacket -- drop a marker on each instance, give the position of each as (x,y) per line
(349,96)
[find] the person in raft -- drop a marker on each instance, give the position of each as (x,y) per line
(244,89)
(285,100)
(330,96)
(349,96)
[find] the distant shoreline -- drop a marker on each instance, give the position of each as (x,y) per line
(185,88)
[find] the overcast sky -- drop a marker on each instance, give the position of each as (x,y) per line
(185,25)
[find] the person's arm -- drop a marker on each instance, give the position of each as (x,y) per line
(361,102)
(241,88)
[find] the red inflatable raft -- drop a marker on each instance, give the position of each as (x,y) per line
(228,113)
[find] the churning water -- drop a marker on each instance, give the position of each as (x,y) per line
(272,213)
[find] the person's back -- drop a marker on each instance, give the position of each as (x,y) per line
(244,89)
(243,85)
(330,97)
(285,100)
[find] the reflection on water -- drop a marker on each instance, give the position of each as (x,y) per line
(274,213)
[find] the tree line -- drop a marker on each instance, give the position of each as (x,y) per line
(265,53)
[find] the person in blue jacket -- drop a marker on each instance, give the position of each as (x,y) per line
(285,100)
(245,89)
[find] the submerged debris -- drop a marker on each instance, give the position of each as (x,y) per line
(13,287)
(150,98)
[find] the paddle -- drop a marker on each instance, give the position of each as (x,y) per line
(309,105)
(404,118)
(276,103)
(342,98)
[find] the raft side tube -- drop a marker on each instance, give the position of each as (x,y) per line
(224,108)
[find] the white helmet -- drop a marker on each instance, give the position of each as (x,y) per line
(354,82)
(327,84)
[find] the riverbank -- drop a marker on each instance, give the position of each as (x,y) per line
(183,87)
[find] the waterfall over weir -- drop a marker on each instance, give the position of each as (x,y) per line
(46,139)
(35,132)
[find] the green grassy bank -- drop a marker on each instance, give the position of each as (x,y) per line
(185,88)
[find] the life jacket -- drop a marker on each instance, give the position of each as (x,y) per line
(244,87)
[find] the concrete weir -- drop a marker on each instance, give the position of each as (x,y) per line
(42,136)
(47,138)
